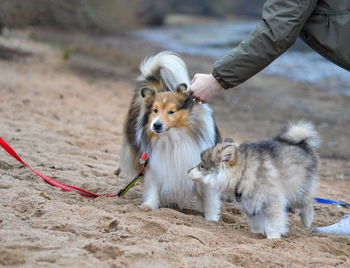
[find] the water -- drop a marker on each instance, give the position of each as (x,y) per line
(299,63)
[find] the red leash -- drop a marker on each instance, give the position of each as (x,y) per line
(66,187)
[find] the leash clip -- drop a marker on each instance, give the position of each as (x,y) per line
(143,158)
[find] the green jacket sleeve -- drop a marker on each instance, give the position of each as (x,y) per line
(282,21)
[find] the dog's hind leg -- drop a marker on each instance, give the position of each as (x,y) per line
(307,210)
(150,192)
(256,223)
(307,214)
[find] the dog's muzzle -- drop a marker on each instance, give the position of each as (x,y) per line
(157,127)
(195,175)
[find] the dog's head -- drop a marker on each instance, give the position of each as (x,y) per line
(167,110)
(215,163)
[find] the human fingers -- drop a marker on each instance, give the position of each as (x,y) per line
(197,97)
(190,91)
(194,78)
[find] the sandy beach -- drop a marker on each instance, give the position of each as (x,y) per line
(63,98)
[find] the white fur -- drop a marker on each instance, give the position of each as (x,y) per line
(171,69)
(167,181)
(203,122)
(302,130)
(138,126)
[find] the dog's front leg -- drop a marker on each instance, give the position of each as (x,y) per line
(276,217)
(150,192)
(211,204)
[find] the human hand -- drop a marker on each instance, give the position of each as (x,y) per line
(204,87)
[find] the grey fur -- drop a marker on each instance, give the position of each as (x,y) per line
(268,176)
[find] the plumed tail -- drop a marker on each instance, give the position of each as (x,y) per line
(166,68)
(301,132)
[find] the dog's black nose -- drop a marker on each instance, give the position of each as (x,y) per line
(158,125)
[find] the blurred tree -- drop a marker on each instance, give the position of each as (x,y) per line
(114,15)
(93,15)
(197,7)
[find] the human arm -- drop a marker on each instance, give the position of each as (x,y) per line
(282,21)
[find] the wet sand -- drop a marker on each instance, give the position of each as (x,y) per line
(65,118)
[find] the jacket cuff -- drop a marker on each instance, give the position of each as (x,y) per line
(219,78)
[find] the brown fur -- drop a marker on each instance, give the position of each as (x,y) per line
(167,106)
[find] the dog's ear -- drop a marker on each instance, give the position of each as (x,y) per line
(228,140)
(226,154)
(147,92)
(181,88)
(188,102)
(229,155)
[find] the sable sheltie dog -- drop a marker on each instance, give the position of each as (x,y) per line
(164,122)
(266,177)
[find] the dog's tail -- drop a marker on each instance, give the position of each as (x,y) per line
(164,69)
(301,132)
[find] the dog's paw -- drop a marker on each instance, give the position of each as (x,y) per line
(212,217)
(273,236)
(146,207)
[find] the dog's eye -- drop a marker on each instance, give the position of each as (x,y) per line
(171,112)
(155,111)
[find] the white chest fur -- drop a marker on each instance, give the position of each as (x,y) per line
(173,154)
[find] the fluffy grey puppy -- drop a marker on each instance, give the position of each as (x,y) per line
(266,177)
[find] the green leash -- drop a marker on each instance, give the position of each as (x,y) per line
(144,162)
